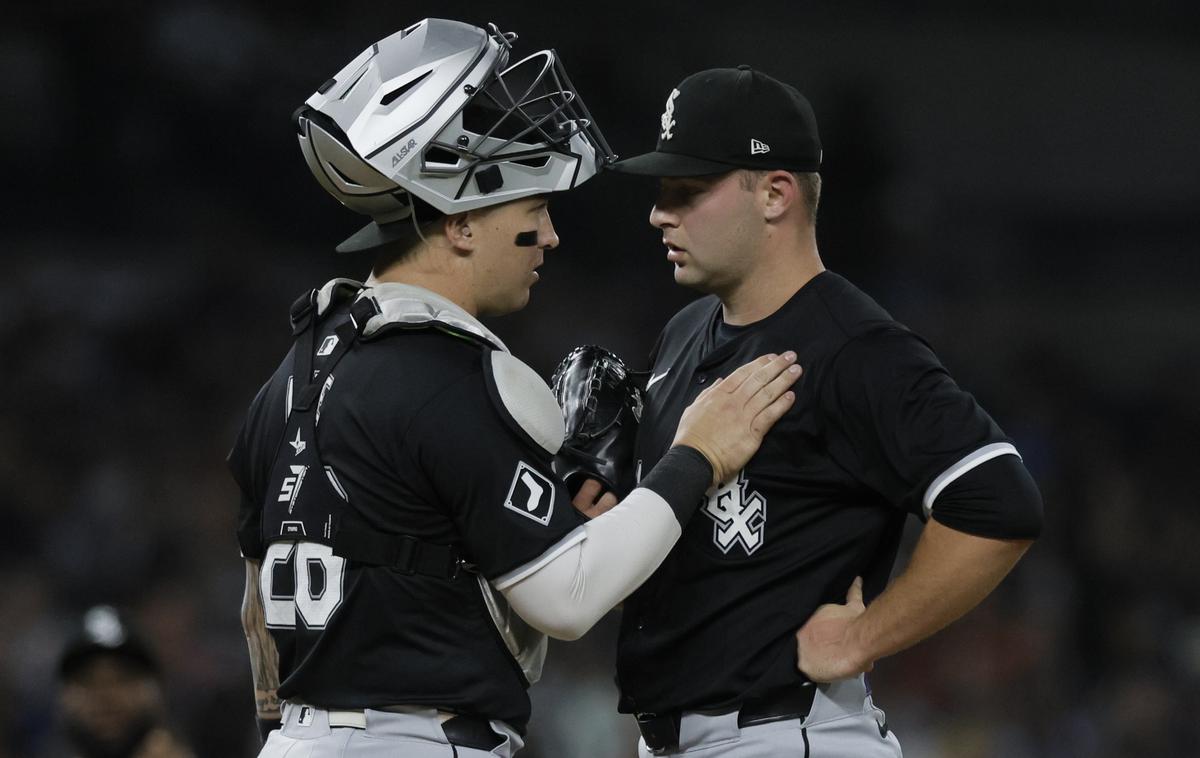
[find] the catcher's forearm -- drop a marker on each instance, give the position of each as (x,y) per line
(950,573)
(264,659)
(566,595)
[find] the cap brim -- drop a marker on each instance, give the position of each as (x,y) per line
(669,164)
(374,235)
(132,654)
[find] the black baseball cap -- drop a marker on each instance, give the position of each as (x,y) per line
(723,119)
(103,633)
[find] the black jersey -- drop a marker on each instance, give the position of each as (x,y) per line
(412,439)
(876,420)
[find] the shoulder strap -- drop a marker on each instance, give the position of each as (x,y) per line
(347,334)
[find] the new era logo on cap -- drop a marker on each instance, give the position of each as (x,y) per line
(758,146)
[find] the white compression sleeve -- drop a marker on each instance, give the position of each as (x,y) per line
(564,596)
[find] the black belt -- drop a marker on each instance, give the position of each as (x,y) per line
(661,730)
(471,731)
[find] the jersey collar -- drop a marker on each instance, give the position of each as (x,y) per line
(713,354)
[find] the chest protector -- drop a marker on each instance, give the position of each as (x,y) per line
(305,501)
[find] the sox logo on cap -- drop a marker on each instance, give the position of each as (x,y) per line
(668,116)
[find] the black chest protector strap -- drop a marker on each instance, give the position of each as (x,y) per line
(311,503)
(356,540)
(346,334)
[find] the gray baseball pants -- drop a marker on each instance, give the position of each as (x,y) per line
(842,723)
(415,733)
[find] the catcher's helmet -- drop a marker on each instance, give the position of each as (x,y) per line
(435,111)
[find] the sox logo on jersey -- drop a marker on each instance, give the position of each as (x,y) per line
(739,515)
(531,494)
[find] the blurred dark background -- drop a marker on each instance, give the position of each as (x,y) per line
(1021,185)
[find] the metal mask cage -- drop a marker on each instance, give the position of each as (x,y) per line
(531,102)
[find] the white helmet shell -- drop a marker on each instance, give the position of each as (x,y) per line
(435,111)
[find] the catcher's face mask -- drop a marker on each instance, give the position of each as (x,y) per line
(436,111)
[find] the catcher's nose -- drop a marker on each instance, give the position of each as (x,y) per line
(547,237)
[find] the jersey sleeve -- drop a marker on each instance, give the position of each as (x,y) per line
(246,465)
(897,422)
(498,485)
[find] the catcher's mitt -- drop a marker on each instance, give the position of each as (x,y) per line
(601,400)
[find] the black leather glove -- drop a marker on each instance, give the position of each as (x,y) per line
(601,400)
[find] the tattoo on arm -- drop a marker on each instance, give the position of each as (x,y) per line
(264,658)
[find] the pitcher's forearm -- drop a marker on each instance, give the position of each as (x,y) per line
(950,573)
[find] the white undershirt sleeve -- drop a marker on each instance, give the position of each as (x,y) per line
(568,593)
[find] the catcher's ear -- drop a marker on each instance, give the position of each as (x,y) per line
(458,232)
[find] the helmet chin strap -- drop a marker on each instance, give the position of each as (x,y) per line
(526,239)
(416,225)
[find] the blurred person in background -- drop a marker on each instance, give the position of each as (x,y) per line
(111,694)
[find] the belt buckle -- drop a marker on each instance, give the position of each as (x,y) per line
(460,566)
